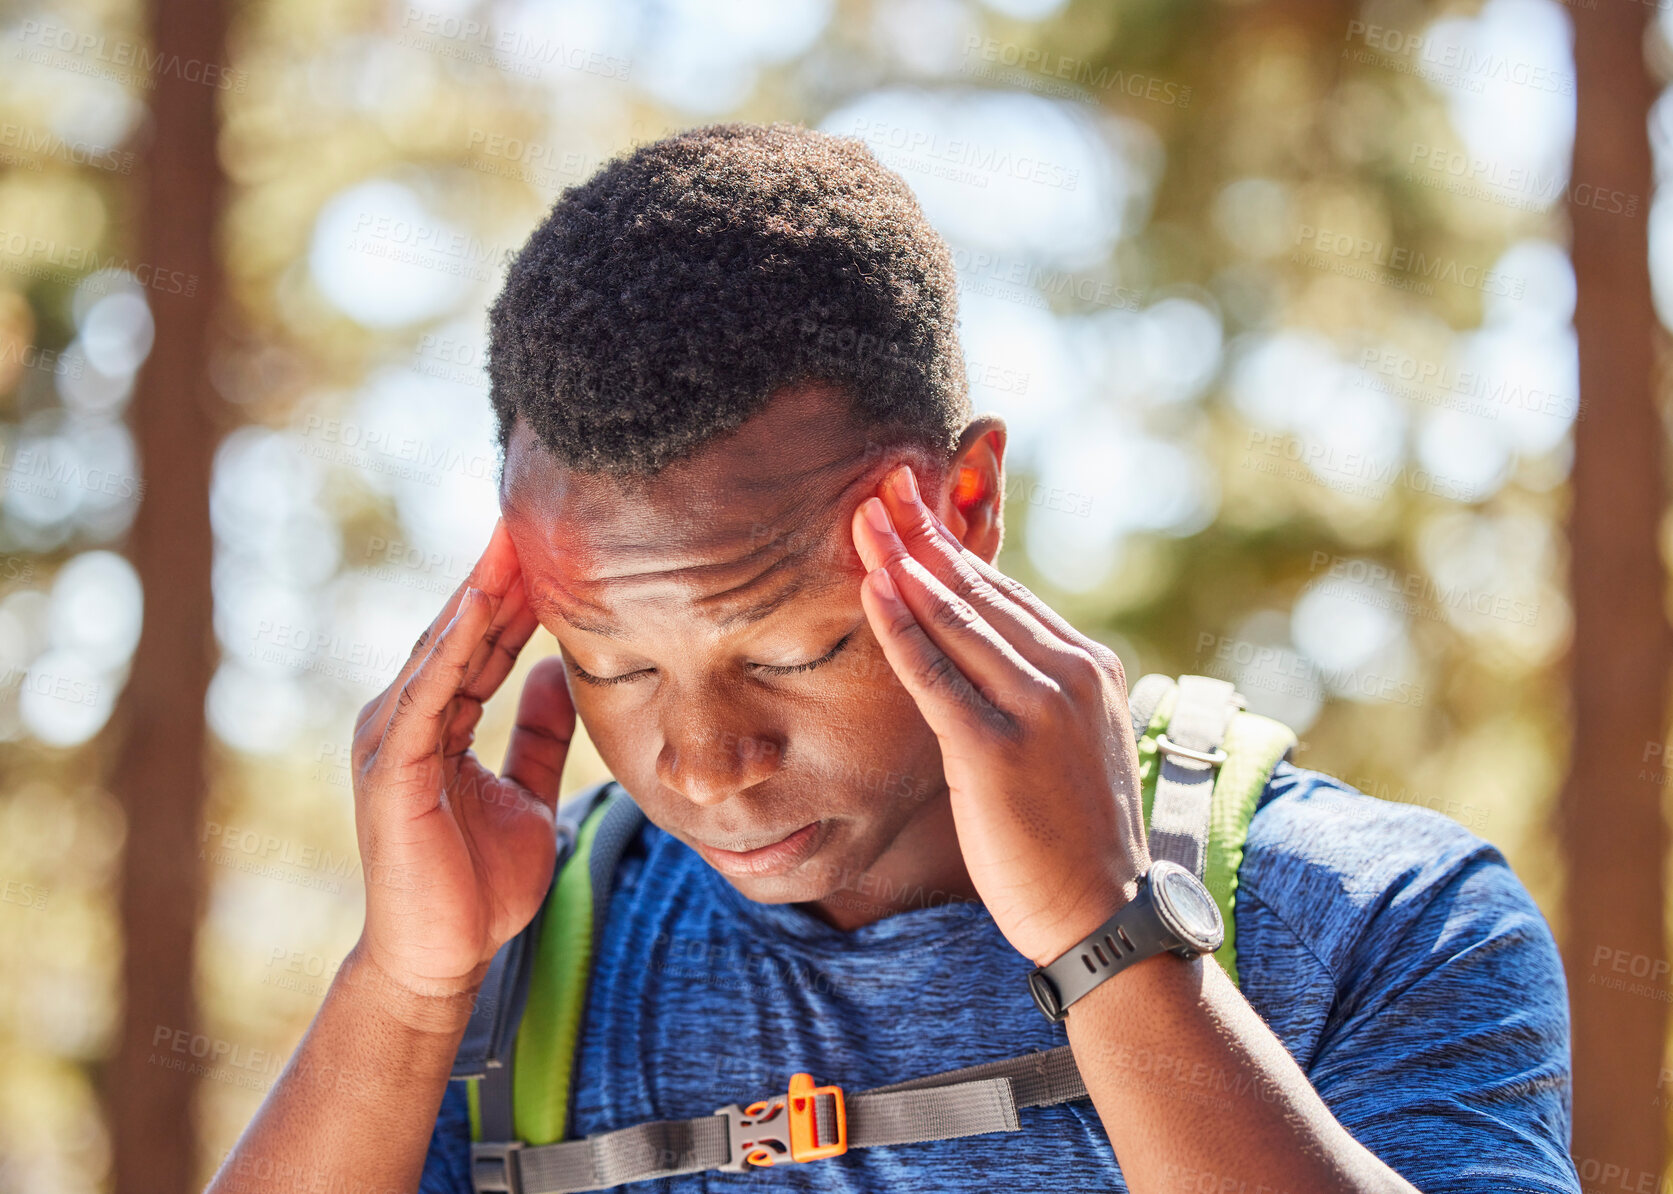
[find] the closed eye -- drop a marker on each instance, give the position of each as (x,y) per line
(769,669)
(582,674)
(791,669)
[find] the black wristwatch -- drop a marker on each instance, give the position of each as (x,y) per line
(1172,913)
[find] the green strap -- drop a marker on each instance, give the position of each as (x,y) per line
(544,1049)
(1253,746)
(545,1055)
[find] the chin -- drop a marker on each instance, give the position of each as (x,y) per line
(795,873)
(786,889)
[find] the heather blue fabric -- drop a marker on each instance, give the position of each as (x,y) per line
(1394,953)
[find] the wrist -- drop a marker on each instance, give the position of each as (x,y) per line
(1161,980)
(431,1006)
(1172,913)
(1109,896)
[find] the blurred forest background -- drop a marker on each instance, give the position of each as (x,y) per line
(1328,347)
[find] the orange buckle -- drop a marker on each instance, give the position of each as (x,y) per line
(809,1124)
(805,1125)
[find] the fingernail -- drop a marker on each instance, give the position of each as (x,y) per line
(877,516)
(884,585)
(904,484)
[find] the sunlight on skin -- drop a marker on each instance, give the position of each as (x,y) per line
(736,727)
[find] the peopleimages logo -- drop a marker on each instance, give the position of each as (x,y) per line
(1365,577)
(31,356)
(1033,60)
(1455,61)
(202,1056)
(39,469)
(377,449)
(1357,473)
(517,51)
(1032,284)
(1521,187)
(41,143)
(1271,668)
(1485,393)
(42,41)
(43,258)
(1414,268)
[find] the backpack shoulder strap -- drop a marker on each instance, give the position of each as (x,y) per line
(1203,763)
(493,1020)
(1202,707)
(563,962)
(537,967)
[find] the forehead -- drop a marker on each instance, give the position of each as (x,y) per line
(730,533)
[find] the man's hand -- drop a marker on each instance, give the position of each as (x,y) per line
(457,858)
(1036,740)
(1038,749)
(456,862)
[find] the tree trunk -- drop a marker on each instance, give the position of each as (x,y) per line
(1613,828)
(160,768)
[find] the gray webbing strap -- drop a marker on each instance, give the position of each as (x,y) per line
(494,1101)
(939,1113)
(967,1102)
(615,832)
(1147,694)
(1185,785)
(1037,1079)
(660,1149)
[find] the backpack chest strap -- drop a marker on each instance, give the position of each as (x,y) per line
(966,1102)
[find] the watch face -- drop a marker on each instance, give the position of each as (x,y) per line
(1187,906)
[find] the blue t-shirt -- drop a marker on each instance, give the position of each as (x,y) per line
(1393,952)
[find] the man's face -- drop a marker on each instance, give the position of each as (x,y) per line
(718,654)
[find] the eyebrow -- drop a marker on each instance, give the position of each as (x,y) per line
(599,628)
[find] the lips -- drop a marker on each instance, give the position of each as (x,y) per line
(770,858)
(746,849)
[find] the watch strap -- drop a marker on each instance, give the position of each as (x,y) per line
(1134,933)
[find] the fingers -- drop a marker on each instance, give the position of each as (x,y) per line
(944,621)
(1015,590)
(462,715)
(419,718)
(1104,663)
(495,573)
(545,725)
(927,538)
(513,624)
(939,687)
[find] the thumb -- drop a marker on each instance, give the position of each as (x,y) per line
(540,739)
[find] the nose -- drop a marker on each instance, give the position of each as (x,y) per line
(708,759)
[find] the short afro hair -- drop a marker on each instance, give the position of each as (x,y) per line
(664,300)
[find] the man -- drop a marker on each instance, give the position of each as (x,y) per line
(743,489)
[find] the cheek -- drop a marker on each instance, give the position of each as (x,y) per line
(870,739)
(864,680)
(622,742)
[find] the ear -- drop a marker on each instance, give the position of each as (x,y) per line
(972,497)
